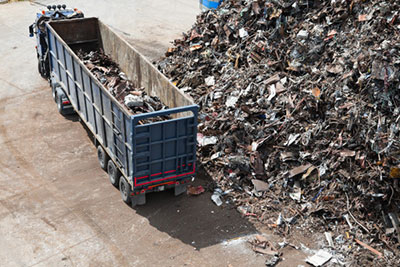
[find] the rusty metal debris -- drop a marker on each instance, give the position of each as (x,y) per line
(303,96)
(262,245)
(195,190)
(123,89)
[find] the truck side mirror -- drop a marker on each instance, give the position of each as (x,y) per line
(31,30)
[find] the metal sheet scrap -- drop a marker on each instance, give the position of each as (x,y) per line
(118,84)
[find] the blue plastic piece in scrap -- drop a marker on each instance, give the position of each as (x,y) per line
(211,4)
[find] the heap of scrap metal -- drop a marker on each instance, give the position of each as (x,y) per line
(300,109)
(123,89)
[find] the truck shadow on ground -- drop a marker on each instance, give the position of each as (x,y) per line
(75,118)
(195,220)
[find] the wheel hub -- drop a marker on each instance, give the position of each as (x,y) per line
(111,173)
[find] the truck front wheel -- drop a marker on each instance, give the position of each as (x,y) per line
(125,190)
(42,70)
(113,173)
(53,91)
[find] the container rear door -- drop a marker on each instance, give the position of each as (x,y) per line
(164,151)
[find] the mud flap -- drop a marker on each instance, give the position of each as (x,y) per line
(180,189)
(138,200)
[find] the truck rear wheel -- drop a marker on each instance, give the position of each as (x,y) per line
(113,173)
(138,199)
(60,107)
(125,190)
(103,157)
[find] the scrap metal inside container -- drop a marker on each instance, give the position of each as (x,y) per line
(118,84)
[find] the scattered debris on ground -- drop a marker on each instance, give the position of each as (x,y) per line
(299,120)
(195,190)
(320,258)
(118,84)
(263,246)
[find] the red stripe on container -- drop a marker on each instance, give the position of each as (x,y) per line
(163,179)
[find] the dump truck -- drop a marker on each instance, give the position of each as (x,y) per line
(139,157)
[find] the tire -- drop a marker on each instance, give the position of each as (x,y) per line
(40,68)
(113,173)
(53,91)
(42,71)
(59,104)
(125,189)
(103,157)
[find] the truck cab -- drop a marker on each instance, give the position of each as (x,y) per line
(54,12)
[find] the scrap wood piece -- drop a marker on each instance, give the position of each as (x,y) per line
(272,79)
(379,254)
(266,251)
(298,170)
(261,238)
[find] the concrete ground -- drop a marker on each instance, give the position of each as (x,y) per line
(57,207)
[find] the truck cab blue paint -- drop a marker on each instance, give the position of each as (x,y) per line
(37,28)
(48,13)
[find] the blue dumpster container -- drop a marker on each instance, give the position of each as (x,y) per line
(151,156)
(209,4)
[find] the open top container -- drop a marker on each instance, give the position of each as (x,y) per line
(148,155)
